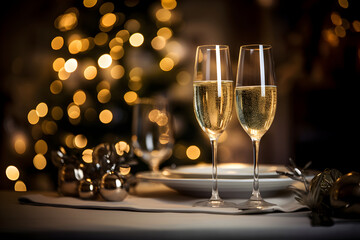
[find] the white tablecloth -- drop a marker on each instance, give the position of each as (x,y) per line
(49,222)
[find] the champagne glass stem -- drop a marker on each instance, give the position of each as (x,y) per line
(256,191)
(214,193)
(155,168)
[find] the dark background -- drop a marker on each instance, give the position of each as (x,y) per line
(317,71)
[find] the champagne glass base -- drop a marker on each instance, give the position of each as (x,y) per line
(255,204)
(215,204)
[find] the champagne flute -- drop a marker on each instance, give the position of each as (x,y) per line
(255,95)
(152,135)
(213,103)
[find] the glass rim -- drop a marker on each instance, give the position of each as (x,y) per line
(256,46)
(213,46)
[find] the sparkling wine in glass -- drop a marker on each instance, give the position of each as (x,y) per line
(213,102)
(152,134)
(256,95)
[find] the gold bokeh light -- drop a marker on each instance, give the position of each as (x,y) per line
(12,173)
(39,161)
(90,72)
(136,39)
(104,96)
(57,43)
(105,116)
(193,152)
(105,61)
(79,97)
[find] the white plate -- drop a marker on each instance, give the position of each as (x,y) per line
(225,170)
(228,188)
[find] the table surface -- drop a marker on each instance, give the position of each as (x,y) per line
(45,222)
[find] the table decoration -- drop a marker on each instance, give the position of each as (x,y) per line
(103,171)
(329,194)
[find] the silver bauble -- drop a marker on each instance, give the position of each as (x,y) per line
(112,187)
(68,180)
(87,189)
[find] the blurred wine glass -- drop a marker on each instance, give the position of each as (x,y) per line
(152,133)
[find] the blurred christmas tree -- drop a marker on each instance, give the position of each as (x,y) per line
(106,54)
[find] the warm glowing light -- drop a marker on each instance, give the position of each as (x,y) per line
(117,52)
(166,64)
(19,144)
(71,65)
(158,42)
(164,138)
(122,147)
(57,113)
(58,64)
(193,152)
(73,111)
(330,37)
(62,74)
(165,32)
(163,15)
(183,78)
(90,72)
(49,127)
(104,96)
(101,38)
(33,117)
(154,115)
(340,31)
(130,97)
(343,3)
(79,97)
(106,8)
(123,34)
(89,3)
(117,72)
(336,19)
(132,25)
(87,155)
(39,161)
(104,61)
(103,85)
(69,140)
(66,21)
(116,41)
(80,141)
(136,73)
(20,186)
(42,109)
(12,173)
(162,120)
(168,4)
(105,116)
(75,46)
(41,147)
(135,85)
(56,87)
(136,40)
(57,43)
(108,20)
(356,25)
